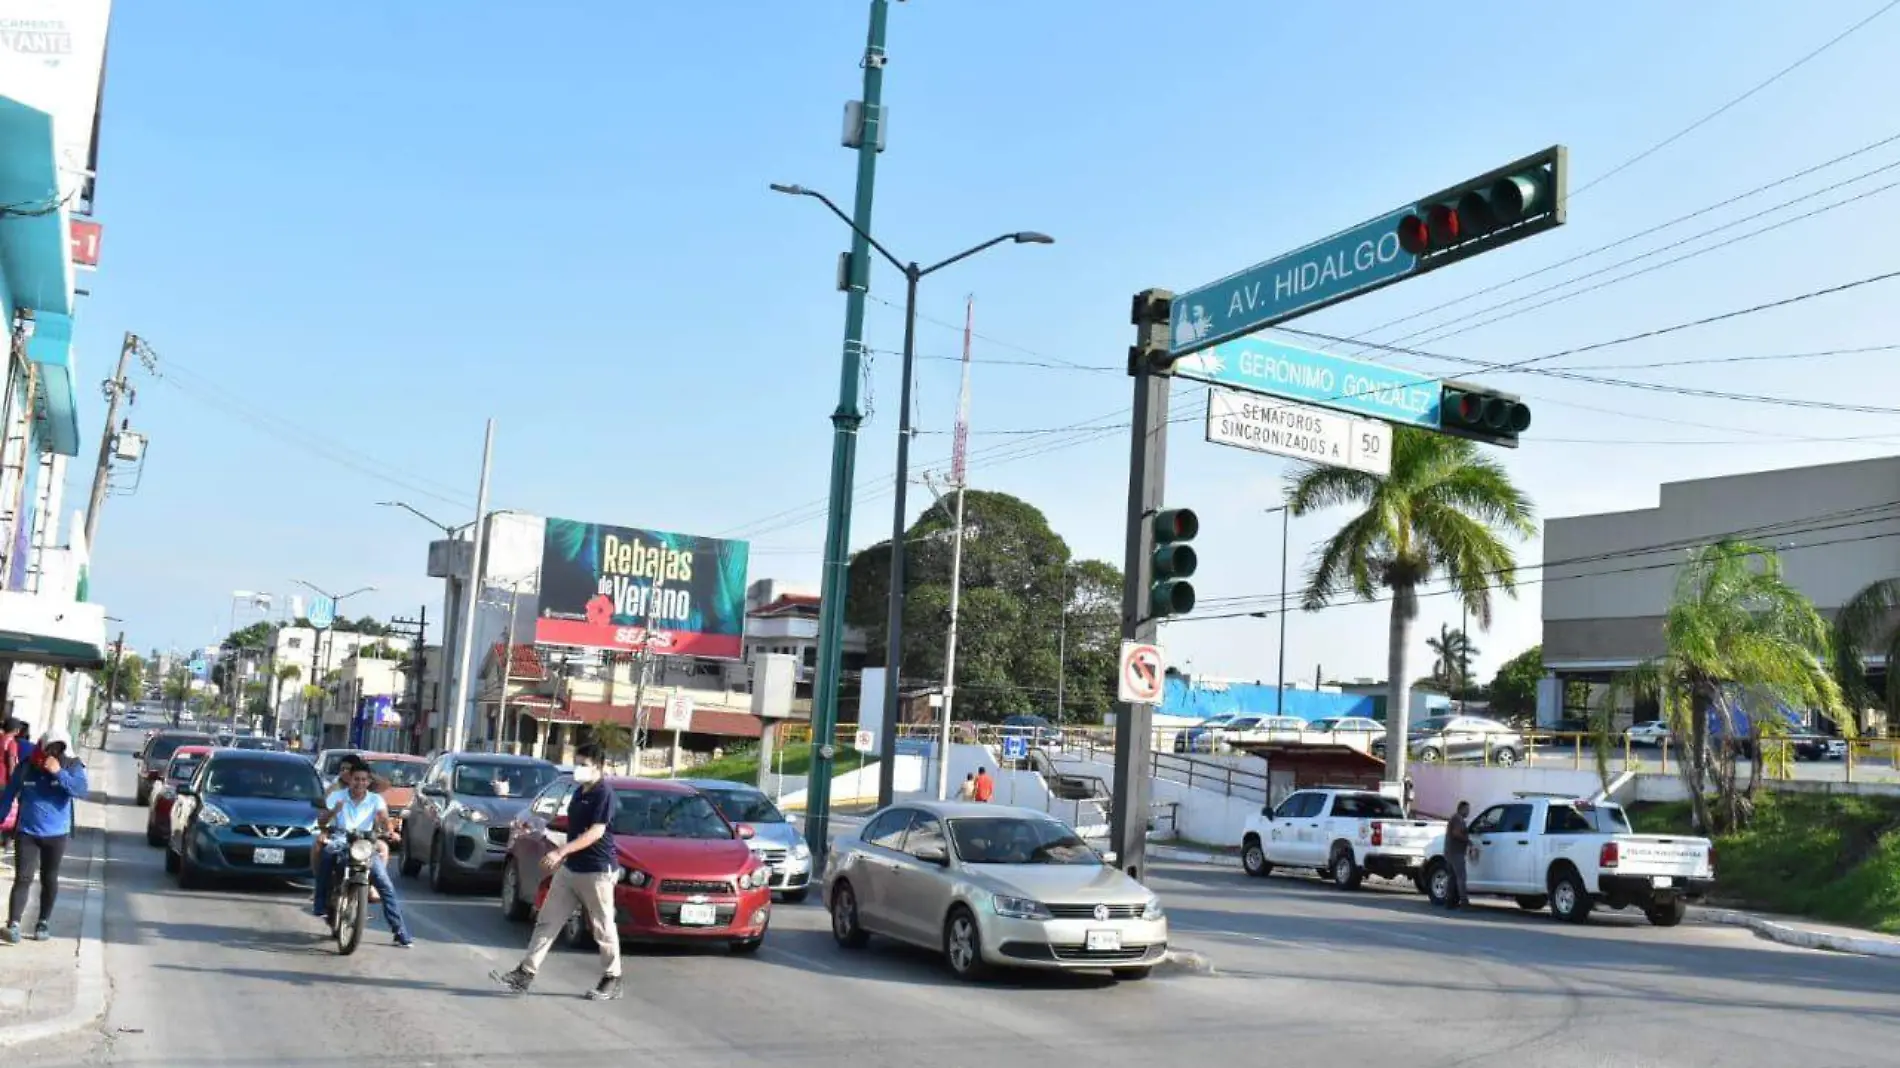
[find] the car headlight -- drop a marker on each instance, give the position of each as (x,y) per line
(474,815)
(634,877)
(362,851)
(213,815)
(758,877)
(801,851)
(1019,908)
(1152,910)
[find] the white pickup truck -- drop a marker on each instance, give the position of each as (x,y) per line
(1575,855)
(1343,834)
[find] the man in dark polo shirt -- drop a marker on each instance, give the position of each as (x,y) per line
(584,873)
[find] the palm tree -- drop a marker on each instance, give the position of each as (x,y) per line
(1738,641)
(1445,511)
(1452,652)
(1869,623)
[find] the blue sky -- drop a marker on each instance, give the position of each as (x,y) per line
(352,232)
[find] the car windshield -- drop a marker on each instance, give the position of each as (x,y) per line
(398,773)
(184,767)
(1018,840)
(282,780)
(333,763)
(654,814)
(746,806)
(165,745)
(1436,723)
(484,779)
(255,742)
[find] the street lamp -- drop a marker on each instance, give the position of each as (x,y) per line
(829,644)
(1279,699)
(336,613)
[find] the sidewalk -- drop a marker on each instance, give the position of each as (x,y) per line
(1786,930)
(57,986)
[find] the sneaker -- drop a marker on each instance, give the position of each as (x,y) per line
(608,989)
(11,936)
(40,932)
(403,941)
(516,980)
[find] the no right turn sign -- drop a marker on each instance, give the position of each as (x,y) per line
(1142,669)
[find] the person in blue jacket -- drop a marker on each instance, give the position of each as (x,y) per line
(49,779)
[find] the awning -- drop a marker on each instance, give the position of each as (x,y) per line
(36,262)
(705,720)
(44,630)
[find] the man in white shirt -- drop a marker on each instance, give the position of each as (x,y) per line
(352,810)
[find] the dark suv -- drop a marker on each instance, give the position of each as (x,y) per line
(157,755)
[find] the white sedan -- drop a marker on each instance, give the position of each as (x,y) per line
(1652,732)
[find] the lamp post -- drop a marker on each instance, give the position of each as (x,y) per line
(894,625)
(336,612)
(1279,693)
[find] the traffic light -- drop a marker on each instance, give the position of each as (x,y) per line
(1485,415)
(1152,312)
(1173,562)
(1492,210)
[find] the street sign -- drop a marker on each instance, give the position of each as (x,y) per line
(865,741)
(322,612)
(1015,747)
(1283,428)
(679,713)
(1357,387)
(1141,672)
(1325,272)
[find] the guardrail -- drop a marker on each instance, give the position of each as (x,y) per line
(1198,774)
(1871,759)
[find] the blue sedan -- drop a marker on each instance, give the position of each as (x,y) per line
(246,813)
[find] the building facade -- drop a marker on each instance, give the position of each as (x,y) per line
(1609,579)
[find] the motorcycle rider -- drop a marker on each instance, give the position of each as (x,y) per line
(353,810)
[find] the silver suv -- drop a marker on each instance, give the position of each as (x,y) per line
(1461,739)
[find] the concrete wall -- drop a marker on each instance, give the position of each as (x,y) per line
(1440,787)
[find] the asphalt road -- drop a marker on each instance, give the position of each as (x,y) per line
(236,977)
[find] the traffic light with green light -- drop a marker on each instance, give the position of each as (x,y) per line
(1508,204)
(1479,414)
(1173,562)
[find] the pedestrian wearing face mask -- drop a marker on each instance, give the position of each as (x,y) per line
(584,872)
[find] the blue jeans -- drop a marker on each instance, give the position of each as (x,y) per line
(333,857)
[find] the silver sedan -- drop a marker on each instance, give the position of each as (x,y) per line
(989,886)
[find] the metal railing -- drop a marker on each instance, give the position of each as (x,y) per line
(1200,774)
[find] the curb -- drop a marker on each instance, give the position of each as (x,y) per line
(1800,937)
(90,989)
(1157,851)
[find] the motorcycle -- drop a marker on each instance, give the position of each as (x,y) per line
(349,891)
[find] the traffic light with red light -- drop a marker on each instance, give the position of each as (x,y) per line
(1489,211)
(1172,562)
(1479,414)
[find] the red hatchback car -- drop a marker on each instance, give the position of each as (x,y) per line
(183,765)
(686,874)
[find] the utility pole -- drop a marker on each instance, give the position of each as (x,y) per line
(458,713)
(115,388)
(960,474)
(417,630)
(1062,650)
(845,421)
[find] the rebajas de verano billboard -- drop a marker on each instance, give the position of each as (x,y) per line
(626,588)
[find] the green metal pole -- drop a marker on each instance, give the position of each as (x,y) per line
(844,457)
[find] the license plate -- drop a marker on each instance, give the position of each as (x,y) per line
(267,856)
(1104,941)
(699,915)
(1661,881)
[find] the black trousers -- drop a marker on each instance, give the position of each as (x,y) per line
(36,857)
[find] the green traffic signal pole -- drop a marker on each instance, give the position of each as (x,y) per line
(844,455)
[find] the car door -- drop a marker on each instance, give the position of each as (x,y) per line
(1485,833)
(1511,854)
(185,806)
(531,835)
(919,891)
(425,811)
(872,875)
(1284,844)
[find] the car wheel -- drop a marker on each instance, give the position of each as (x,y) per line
(1532,902)
(1436,882)
(438,867)
(1569,901)
(746,946)
(1430,756)
(845,927)
(411,862)
(1253,858)
(144,791)
(1668,913)
(963,945)
(1505,757)
(1345,871)
(577,933)
(1131,975)
(153,836)
(798,896)
(513,908)
(171,859)
(188,875)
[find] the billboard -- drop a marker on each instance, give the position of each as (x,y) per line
(626,588)
(52,57)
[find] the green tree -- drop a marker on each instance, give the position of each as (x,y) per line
(1446,510)
(1017,574)
(1738,641)
(125,680)
(1452,651)
(1869,623)
(1513,690)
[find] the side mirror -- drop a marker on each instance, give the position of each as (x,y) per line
(745,831)
(1267,811)
(558,825)
(185,789)
(932,854)
(434,790)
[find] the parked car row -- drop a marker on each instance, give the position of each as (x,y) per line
(1224,733)
(1570,855)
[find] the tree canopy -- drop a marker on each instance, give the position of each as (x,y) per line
(1513,691)
(1013,635)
